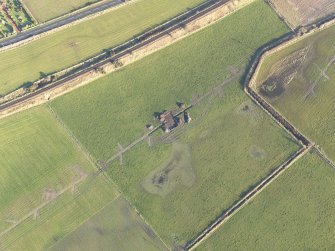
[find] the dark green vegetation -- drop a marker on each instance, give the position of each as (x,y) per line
(5,28)
(74,44)
(228,147)
(116,227)
(18,14)
(41,176)
(307,97)
(296,212)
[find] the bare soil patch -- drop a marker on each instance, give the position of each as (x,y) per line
(304,12)
(250,111)
(282,73)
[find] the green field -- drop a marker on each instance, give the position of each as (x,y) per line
(229,146)
(116,227)
(296,212)
(42,174)
(74,44)
(48,9)
(308,99)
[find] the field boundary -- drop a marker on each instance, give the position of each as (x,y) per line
(282,17)
(126,56)
(83,222)
(280,45)
(73,138)
(5,46)
(278,118)
(34,212)
(247,198)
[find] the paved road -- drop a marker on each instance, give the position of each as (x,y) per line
(59,22)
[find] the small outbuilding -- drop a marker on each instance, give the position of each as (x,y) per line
(187,117)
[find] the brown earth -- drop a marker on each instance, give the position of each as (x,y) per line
(303,12)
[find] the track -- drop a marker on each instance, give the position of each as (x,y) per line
(128,47)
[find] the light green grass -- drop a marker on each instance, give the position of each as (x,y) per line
(74,44)
(229,149)
(313,115)
(116,227)
(48,9)
(37,156)
(296,212)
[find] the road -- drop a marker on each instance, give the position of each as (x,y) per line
(59,22)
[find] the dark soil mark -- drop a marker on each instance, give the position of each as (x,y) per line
(273,87)
(282,74)
(160,179)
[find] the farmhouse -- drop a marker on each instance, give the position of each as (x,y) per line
(169,121)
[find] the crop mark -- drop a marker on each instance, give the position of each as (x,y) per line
(323,74)
(48,199)
(282,73)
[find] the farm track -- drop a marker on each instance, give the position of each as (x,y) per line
(127,48)
(215,91)
(324,157)
(34,213)
(137,141)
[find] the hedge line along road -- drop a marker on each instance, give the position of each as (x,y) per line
(59,22)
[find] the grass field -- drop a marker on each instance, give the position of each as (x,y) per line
(116,227)
(230,145)
(47,10)
(307,97)
(296,212)
(74,44)
(41,174)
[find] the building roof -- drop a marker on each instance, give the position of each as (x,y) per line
(169,120)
